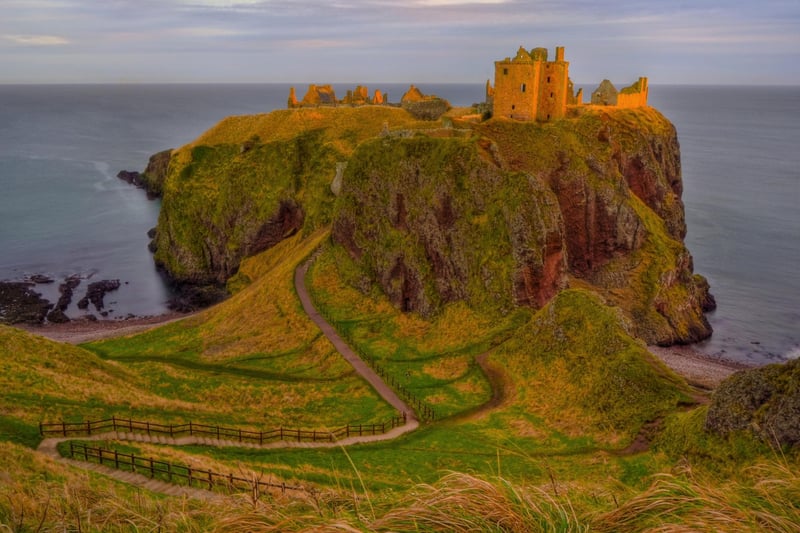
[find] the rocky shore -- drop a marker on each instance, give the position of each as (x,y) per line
(22,303)
(85,330)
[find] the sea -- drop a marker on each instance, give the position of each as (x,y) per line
(64,212)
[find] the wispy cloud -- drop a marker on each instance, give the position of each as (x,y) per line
(37,40)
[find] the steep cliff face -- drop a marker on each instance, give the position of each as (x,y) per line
(511,213)
(251,181)
(498,214)
(432,222)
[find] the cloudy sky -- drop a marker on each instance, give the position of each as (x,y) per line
(670,41)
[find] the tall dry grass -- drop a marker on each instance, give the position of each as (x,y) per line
(767,498)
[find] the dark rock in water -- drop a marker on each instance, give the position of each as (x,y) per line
(190,298)
(764,401)
(40,278)
(20,304)
(152,179)
(96,292)
(57,316)
(134,178)
(66,289)
(153,244)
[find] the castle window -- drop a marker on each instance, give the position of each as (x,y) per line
(551,95)
(513,107)
(522,88)
(505,71)
(548,79)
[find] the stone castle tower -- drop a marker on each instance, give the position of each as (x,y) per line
(529,87)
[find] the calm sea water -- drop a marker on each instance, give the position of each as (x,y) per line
(64,212)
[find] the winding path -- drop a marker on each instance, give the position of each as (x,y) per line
(49,446)
(349,355)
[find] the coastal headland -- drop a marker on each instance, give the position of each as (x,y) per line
(413,317)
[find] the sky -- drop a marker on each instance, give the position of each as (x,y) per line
(404,41)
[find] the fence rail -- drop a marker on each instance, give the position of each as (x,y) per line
(423,410)
(66,429)
(172,472)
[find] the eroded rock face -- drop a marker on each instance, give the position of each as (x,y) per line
(498,214)
(506,219)
(433,223)
(764,401)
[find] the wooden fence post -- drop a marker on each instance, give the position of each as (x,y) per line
(64,428)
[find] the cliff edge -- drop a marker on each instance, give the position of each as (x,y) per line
(499,214)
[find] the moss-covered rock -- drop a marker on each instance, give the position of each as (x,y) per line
(576,365)
(507,215)
(252,181)
(432,222)
(764,401)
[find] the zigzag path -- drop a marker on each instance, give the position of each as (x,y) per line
(49,446)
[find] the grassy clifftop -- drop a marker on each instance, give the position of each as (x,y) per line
(251,181)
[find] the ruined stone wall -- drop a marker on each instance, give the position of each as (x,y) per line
(553,91)
(516,89)
(635,95)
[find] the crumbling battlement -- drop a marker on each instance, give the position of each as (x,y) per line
(422,106)
(529,87)
(319,95)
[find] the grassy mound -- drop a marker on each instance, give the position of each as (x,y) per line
(256,358)
(575,366)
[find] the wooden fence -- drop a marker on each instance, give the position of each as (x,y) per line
(423,410)
(174,473)
(66,429)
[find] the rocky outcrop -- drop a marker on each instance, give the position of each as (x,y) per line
(96,292)
(433,222)
(66,289)
(764,401)
(152,179)
(20,304)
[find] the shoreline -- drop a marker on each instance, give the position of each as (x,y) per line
(699,369)
(78,331)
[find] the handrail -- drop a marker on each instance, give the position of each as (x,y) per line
(65,429)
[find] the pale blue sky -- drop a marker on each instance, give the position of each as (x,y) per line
(670,41)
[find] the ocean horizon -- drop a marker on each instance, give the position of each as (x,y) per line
(64,212)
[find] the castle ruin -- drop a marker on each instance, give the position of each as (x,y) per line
(529,87)
(318,95)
